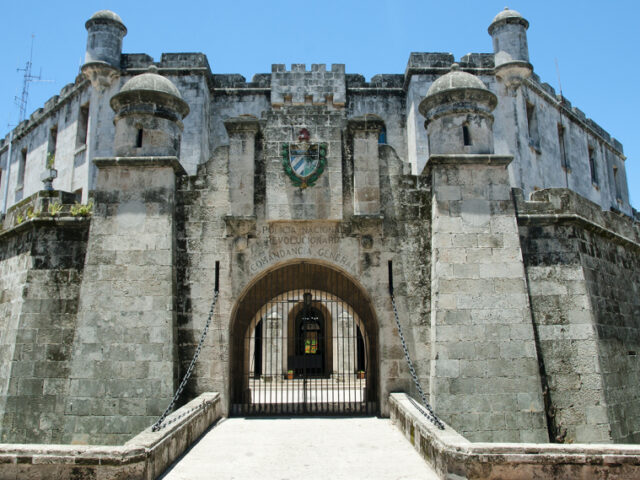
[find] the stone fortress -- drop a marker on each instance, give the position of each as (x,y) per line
(500,213)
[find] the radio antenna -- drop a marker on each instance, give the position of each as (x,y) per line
(27,78)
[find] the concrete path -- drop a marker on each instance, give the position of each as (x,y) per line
(302,448)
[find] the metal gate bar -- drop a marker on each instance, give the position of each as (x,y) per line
(306,351)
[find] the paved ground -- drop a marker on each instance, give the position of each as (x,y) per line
(302,448)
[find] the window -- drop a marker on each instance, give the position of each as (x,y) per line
(21,168)
(83,125)
(139,138)
(616,182)
(382,137)
(466,137)
(532,127)
(564,161)
(51,148)
(592,165)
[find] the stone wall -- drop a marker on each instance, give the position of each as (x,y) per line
(123,372)
(612,275)
(247,247)
(582,271)
(42,262)
(144,457)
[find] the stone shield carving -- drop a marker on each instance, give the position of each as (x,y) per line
(304,162)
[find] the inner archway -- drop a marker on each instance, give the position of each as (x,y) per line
(304,340)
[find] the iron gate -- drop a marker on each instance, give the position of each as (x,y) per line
(305,352)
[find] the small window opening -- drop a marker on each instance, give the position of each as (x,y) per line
(466,136)
(592,165)
(22,167)
(139,138)
(564,161)
(532,126)
(51,148)
(83,125)
(616,182)
(382,137)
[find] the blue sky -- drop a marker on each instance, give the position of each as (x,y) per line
(595,43)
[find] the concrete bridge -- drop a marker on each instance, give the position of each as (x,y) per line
(294,448)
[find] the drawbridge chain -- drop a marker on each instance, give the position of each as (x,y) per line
(431,414)
(159,423)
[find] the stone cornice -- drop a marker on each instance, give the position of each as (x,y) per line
(173,162)
(39,222)
(470,159)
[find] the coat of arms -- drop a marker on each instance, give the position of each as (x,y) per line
(303,161)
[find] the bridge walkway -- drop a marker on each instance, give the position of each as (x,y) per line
(296,448)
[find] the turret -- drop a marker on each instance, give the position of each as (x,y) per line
(149,111)
(458,115)
(509,33)
(104,47)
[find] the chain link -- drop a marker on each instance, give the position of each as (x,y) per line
(431,416)
(159,424)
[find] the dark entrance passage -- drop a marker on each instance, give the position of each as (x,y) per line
(309,340)
(303,342)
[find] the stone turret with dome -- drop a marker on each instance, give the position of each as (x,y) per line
(104,48)
(509,33)
(149,111)
(457,109)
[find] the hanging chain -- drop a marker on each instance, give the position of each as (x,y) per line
(159,425)
(431,416)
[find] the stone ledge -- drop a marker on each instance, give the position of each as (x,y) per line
(559,205)
(72,222)
(453,456)
(469,159)
(144,457)
(173,162)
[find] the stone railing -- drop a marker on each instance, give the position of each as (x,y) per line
(456,458)
(144,457)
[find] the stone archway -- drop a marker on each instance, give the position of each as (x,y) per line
(337,375)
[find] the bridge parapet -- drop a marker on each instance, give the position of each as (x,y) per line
(144,457)
(455,457)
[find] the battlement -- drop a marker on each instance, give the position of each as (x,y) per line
(380,81)
(50,106)
(575,113)
(317,86)
(181,61)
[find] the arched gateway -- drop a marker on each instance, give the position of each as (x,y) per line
(304,340)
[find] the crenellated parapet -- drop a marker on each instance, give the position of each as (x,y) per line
(300,86)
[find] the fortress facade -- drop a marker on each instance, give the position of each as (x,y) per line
(496,212)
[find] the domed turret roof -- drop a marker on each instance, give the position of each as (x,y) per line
(151,81)
(455,80)
(150,87)
(457,91)
(508,16)
(106,16)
